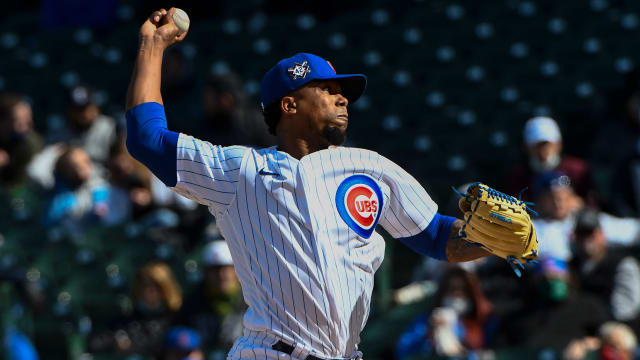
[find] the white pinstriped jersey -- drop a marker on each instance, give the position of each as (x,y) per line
(301,234)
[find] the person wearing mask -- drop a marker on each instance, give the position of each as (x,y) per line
(460,323)
(608,273)
(543,148)
(215,309)
(156,298)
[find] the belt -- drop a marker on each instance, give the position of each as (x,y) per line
(288,349)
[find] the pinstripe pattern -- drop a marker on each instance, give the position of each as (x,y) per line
(306,276)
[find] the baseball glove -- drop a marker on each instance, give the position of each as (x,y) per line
(499,223)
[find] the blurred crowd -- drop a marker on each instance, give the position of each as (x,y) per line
(78,178)
(581,300)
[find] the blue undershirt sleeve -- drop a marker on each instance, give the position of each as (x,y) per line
(149,141)
(432,241)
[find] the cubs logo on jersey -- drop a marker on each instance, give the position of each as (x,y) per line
(359,203)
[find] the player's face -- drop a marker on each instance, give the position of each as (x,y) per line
(323,110)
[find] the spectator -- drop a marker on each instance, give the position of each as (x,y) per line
(216,308)
(18,140)
(553,313)
(86,127)
(616,342)
(610,274)
(543,145)
(557,205)
(157,297)
(228,119)
(460,323)
(182,343)
(80,196)
(556,202)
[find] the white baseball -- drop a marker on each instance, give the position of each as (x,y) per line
(181,19)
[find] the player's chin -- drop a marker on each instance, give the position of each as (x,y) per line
(335,135)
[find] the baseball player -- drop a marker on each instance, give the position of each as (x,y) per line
(300,217)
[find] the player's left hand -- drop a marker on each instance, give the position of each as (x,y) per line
(500,223)
(161,29)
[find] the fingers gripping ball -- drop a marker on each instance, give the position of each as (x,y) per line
(500,223)
(181,19)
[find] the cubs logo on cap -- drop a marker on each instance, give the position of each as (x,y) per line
(359,203)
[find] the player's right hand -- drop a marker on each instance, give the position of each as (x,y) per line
(161,29)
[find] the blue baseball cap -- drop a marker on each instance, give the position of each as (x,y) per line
(292,73)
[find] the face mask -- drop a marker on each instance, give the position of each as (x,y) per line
(460,305)
(551,163)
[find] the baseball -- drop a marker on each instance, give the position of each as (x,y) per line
(181,19)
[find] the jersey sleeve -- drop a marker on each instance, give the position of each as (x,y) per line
(407,209)
(208,173)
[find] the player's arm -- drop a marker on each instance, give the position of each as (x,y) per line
(148,139)
(156,34)
(191,167)
(441,240)
(411,216)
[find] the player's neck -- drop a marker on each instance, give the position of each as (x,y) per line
(297,147)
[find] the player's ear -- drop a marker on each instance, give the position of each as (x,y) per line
(288,105)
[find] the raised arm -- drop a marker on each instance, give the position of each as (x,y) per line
(194,168)
(148,139)
(156,34)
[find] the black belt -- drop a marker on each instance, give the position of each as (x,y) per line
(288,349)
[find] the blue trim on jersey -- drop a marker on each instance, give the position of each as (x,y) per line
(432,241)
(347,184)
(149,141)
